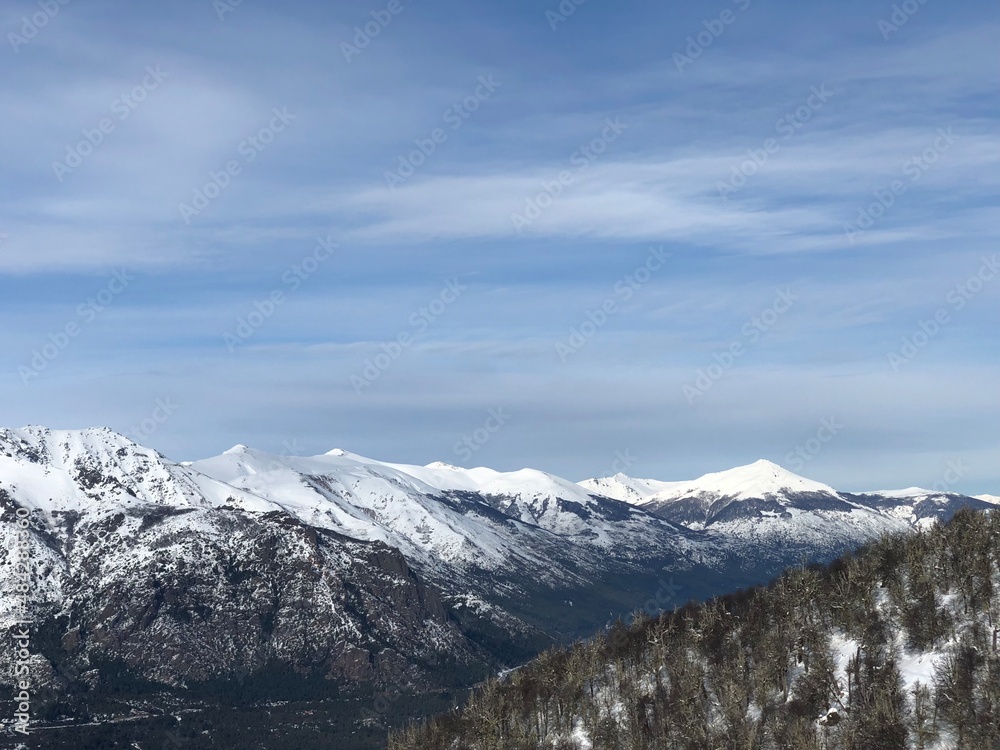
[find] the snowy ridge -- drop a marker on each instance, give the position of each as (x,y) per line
(765,504)
(451,524)
(65,470)
(757,480)
(444,515)
(906,493)
(98,472)
(370,500)
(401,505)
(628,489)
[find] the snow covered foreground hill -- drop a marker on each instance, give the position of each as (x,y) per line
(346,568)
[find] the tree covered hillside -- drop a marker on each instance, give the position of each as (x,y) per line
(893,647)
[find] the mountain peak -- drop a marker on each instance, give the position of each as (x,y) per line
(765,464)
(755,480)
(236,450)
(762,470)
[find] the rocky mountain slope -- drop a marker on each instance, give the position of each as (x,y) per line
(335,566)
(522,545)
(143,565)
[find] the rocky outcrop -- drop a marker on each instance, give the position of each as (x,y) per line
(178,598)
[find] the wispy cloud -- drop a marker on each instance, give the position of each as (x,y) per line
(655,183)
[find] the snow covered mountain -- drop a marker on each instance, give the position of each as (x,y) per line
(487,538)
(918,507)
(993,499)
(334,565)
(753,481)
(340,567)
(444,514)
(140,564)
(628,489)
(770,507)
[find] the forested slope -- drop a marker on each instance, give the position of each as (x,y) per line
(895,646)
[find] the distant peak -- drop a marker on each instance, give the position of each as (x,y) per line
(760,467)
(755,480)
(443,465)
(764,465)
(237,449)
(339,452)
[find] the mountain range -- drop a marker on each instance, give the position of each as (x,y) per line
(339,570)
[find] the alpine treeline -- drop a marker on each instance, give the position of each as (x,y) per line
(893,647)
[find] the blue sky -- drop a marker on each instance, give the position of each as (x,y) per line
(707,178)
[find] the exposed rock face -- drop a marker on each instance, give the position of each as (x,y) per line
(185,597)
